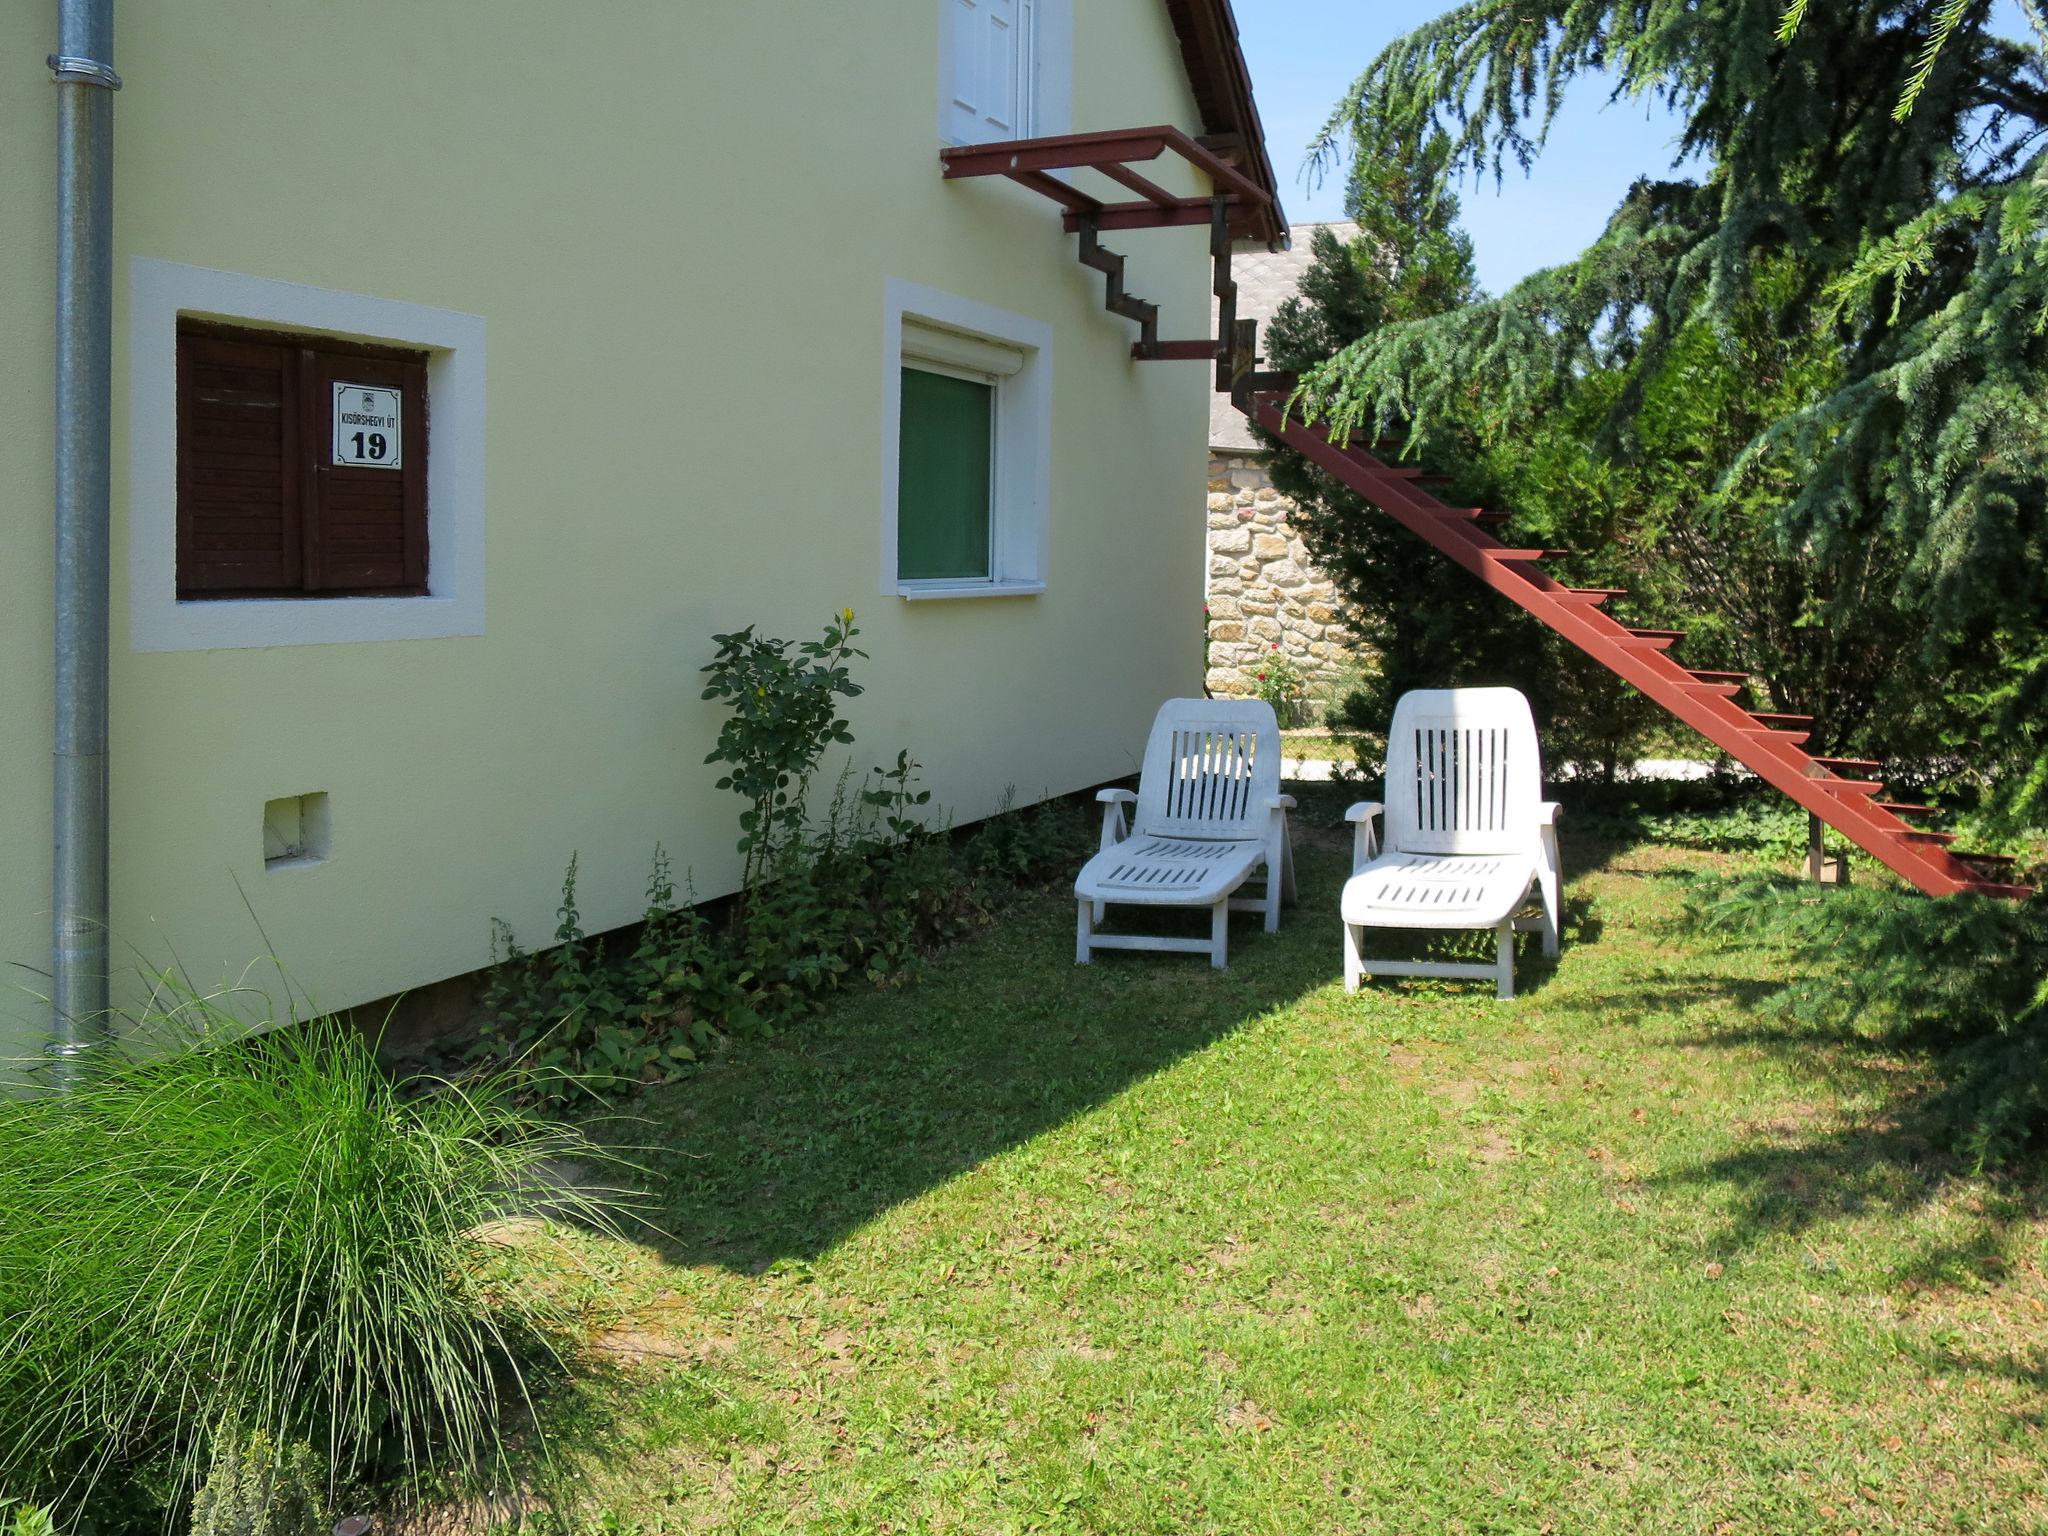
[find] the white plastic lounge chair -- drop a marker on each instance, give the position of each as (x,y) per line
(1469,841)
(1209,814)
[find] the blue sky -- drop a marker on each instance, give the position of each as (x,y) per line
(1305,53)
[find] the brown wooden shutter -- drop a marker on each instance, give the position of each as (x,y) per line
(239,468)
(367,527)
(263,509)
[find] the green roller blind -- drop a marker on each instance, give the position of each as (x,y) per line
(944,477)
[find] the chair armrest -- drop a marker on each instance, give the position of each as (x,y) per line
(1115,828)
(1280,802)
(1548,813)
(1365,843)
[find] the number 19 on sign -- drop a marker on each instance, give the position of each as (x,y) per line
(367,433)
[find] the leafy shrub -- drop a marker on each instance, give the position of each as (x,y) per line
(259,1488)
(24,1519)
(784,697)
(858,889)
(1280,685)
(1022,846)
(266,1231)
(642,1018)
(1963,979)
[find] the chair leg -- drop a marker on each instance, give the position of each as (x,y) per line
(1354,962)
(1553,913)
(1504,956)
(1274,877)
(1084,929)
(1219,934)
(1101,910)
(1287,866)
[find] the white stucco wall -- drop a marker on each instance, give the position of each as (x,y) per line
(676,227)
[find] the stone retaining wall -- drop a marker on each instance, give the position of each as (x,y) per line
(1263,590)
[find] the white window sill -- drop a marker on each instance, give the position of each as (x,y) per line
(919,594)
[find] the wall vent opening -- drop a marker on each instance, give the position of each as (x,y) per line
(295,831)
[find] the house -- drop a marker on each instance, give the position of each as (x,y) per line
(471,365)
(1261,586)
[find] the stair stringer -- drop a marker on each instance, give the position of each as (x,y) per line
(1707,708)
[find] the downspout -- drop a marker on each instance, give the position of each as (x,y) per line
(83,68)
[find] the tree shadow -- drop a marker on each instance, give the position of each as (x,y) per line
(1794,1174)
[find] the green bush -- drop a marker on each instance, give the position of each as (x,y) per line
(266,1231)
(259,1488)
(1962,979)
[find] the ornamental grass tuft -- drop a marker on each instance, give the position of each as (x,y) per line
(266,1231)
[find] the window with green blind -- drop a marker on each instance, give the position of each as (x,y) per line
(945,477)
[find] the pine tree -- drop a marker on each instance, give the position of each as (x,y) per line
(1425,626)
(1917,261)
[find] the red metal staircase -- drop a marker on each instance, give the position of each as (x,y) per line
(1839,791)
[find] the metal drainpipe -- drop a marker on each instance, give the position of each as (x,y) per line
(83,68)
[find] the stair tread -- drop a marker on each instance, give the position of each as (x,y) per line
(1908,808)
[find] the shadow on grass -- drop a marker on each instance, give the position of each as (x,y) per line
(787,1145)
(1894,1157)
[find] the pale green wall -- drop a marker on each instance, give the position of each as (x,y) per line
(676,221)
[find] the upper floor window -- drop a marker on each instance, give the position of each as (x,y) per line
(302,466)
(989,71)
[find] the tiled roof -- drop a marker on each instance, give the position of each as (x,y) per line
(1265,280)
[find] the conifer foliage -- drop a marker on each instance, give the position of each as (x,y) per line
(1909,249)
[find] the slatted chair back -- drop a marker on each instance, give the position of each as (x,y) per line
(1212,767)
(1464,775)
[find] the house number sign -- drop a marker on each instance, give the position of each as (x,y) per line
(366,430)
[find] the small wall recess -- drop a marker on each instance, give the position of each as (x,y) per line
(295,831)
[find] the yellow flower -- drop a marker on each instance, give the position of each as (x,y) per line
(846,614)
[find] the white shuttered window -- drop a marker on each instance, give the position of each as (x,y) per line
(989,55)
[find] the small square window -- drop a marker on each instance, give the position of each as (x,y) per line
(946,476)
(302,466)
(295,831)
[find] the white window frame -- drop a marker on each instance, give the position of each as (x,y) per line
(162,292)
(1047,106)
(1019,542)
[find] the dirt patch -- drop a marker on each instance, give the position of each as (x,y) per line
(638,1346)
(1493,1148)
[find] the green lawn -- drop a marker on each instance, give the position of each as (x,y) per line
(1143,1248)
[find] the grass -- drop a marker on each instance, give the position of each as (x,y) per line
(1143,1248)
(263,1233)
